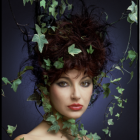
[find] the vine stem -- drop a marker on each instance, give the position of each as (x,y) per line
(128,40)
(15,18)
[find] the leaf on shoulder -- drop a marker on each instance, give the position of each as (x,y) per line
(22,137)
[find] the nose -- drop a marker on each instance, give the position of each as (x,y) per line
(75,93)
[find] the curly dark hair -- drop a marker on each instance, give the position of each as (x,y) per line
(83,30)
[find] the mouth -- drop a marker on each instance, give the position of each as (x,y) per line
(75,106)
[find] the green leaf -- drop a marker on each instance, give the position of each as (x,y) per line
(106,130)
(53,28)
(71,120)
(103,74)
(133,17)
(131,76)
(116,97)
(106,89)
(90,50)
(129,20)
(118,67)
(42,3)
(39,18)
(76,138)
(43,25)
(46,105)
(110,122)
(58,115)
(41,40)
(59,64)
(31,1)
(51,119)
(132,7)
(74,130)
(83,132)
(116,80)
(6,81)
(24,70)
(109,134)
(47,64)
(55,127)
(125,100)
(15,84)
(66,125)
(69,5)
(106,16)
(44,30)
(117,115)
(2,93)
(38,29)
(22,138)
(120,105)
(52,8)
(120,90)
(72,50)
(11,129)
(62,7)
(132,55)
(25,1)
(111,110)
(94,136)
(44,89)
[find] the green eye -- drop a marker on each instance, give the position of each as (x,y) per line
(85,84)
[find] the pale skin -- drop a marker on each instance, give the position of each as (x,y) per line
(65,91)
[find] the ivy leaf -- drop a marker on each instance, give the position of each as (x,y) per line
(125,100)
(55,127)
(42,3)
(2,93)
(44,30)
(90,50)
(74,129)
(106,16)
(94,136)
(44,89)
(6,81)
(11,129)
(26,68)
(53,28)
(120,105)
(69,5)
(25,1)
(39,18)
(116,80)
(132,55)
(71,120)
(109,134)
(111,110)
(103,74)
(58,115)
(120,90)
(38,29)
(117,115)
(66,124)
(52,8)
(31,1)
(62,7)
(110,122)
(51,119)
(76,138)
(22,138)
(82,132)
(131,76)
(41,40)
(59,64)
(15,84)
(46,105)
(118,67)
(47,64)
(106,89)
(72,50)
(119,100)
(106,130)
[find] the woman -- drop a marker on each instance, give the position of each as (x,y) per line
(82,63)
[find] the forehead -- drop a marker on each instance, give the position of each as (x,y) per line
(73,74)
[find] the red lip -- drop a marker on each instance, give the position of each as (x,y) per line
(75,106)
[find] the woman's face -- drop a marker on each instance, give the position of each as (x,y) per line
(68,90)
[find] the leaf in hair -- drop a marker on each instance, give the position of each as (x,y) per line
(52,8)
(72,50)
(15,84)
(59,64)
(41,40)
(44,90)
(90,50)
(11,129)
(42,3)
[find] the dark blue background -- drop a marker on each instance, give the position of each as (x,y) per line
(15,108)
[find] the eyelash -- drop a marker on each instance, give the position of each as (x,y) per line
(65,82)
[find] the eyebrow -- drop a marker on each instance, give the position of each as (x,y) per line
(69,78)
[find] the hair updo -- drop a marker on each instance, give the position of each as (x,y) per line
(82,30)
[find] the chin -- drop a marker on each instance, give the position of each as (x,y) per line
(73,115)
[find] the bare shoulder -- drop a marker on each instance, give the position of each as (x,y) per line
(20,137)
